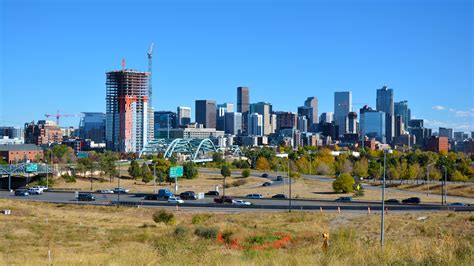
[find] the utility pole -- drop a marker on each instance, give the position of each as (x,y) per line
(382,223)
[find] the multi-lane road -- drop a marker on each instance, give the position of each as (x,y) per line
(207,204)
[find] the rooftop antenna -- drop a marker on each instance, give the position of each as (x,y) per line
(150,55)
(123,63)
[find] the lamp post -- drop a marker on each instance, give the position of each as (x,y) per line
(382,233)
(443,192)
(428,177)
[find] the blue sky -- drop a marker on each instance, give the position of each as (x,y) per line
(54,54)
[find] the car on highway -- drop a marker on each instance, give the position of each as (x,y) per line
(151,197)
(265,175)
(212,193)
(279,196)
(241,202)
(120,190)
(254,196)
(104,191)
(412,200)
(165,193)
(279,178)
(266,184)
(344,199)
(85,197)
(188,195)
(21,192)
(392,201)
(223,199)
(175,200)
(42,188)
(457,204)
(35,191)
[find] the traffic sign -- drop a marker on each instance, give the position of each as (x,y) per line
(176,171)
(32,167)
(82,154)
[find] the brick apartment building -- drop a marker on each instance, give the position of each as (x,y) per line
(437,144)
(20,153)
(43,133)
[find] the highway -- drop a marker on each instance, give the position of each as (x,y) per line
(207,203)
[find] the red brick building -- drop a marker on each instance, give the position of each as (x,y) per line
(43,133)
(15,153)
(437,144)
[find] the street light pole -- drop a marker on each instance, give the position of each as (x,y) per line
(154,177)
(382,223)
(289,186)
(443,192)
(428,177)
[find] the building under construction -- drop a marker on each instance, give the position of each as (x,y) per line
(129,118)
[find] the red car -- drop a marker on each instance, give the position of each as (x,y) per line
(223,199)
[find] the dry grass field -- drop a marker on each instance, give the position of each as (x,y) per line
(90,235)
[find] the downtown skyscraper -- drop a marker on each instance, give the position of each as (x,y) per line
(206,113)
(385,104)
(128,113)
(243,106)
(342,107)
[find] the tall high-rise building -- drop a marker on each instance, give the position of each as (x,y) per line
(446,132)
(265,109)
(184,116)
(351,123)
(128,115)
(399,126)
(372,124)
(206,113)
(285,120)
(165,120)
(385,104)
(221,110)
(255,125)
(233,123)
(326,117)
(243,105)
(302,124)
(92,126)
(307,112)
(312,102)
(401,109)
(342,107)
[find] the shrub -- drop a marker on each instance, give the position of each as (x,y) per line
(246,173)
(201,218)
(206,232)
(164,216)
(69,178)
(239,183)
(227,236)
(294,174)
(42,182)
(181,231)
(343,183)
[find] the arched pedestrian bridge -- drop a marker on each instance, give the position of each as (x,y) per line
(198,150)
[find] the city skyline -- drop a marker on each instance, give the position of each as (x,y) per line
(444,85)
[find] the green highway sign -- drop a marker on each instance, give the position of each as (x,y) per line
(176,171)
(82,154)
(31,168)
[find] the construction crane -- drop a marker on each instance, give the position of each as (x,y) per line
(150,55)
(58,115)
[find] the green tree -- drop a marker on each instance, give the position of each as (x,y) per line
(375,169)
(393,173)
(344,183)
(361,168)
(225,172)
(435,174)
(189,170)
(134,170)
(457,176)
(87,165)
(107,164)
(217,157)
(262,164)
(59,152)
(245,173)
(146,174)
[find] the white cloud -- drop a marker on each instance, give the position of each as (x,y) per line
(464,113)
(438,108)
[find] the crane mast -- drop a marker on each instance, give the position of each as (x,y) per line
(150,90)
